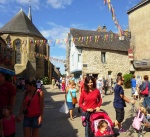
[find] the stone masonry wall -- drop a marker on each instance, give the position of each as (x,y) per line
(115,62)
(139,25)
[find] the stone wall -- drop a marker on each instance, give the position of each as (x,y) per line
(139,25)
(115,62)
(31,65)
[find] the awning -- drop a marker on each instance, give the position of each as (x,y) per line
(7,71)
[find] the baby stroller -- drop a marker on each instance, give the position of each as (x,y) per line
(93,120)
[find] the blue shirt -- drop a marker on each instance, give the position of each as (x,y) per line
(143,86)
(133,82)
(73,91)
(118,101)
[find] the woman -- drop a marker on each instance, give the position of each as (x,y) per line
(70,91)
(90,99)
(145,92)
(32,109)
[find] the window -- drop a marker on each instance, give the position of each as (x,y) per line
(72,60)
(18,53)
(79,58)
(103,57)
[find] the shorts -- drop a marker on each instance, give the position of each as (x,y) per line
(31,122)
(119,114)
(70,105)
(133,90)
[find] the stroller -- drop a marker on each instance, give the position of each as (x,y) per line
(93,120)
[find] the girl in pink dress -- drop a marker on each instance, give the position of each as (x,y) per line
(63,85)
(8,123)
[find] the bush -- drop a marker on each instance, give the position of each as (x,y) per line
(45,80)
(127,80)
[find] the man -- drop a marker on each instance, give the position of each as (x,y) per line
(133,85)
(7,93)
(119,103)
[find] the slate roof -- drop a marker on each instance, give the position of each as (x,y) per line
(140,4)
(113,43)
(21,24)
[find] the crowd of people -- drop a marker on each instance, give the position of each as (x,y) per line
(91,91)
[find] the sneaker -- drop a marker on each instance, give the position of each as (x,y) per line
(121,130)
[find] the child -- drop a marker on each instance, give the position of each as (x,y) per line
(136,95)
(102,128)
(8,123)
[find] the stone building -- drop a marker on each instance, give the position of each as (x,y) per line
(139,25)
(98,53)
(6,58)
(30,46)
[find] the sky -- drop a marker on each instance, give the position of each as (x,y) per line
(54,18)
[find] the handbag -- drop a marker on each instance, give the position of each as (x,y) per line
(74,99)
(137,121)
(145,91)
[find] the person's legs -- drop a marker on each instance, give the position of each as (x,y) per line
(119,118)
(71,114)
(27,131)
(35,132)
(105,90)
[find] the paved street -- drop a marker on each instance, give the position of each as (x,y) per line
(56,124)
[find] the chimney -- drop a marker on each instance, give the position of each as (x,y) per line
(29,14)
(104,29)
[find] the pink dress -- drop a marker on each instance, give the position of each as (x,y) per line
(63,86)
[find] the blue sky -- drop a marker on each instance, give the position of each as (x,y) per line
(54,18)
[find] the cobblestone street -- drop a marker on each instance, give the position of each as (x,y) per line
(56,124)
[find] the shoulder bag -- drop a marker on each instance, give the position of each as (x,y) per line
(145,91)
(74,99)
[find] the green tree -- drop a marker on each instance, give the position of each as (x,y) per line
(127,80)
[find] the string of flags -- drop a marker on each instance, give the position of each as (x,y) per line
(110,7)
(96,38)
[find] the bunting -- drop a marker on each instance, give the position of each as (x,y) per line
(110,7)
(86,39)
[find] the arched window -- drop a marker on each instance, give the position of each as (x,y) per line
(17,46)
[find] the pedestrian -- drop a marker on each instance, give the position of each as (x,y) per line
(7,94)
(31,110)
(105,86)
(133,85)
(81,88)
(71,92)
(8,123)
(119,103)
(53,82)
(90,99)
(99,85)
(38,84)
(145,87)
(63,84)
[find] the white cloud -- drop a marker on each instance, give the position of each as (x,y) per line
(59,3)
(2,1)
(56,32)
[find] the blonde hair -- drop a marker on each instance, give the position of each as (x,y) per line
(143,110)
